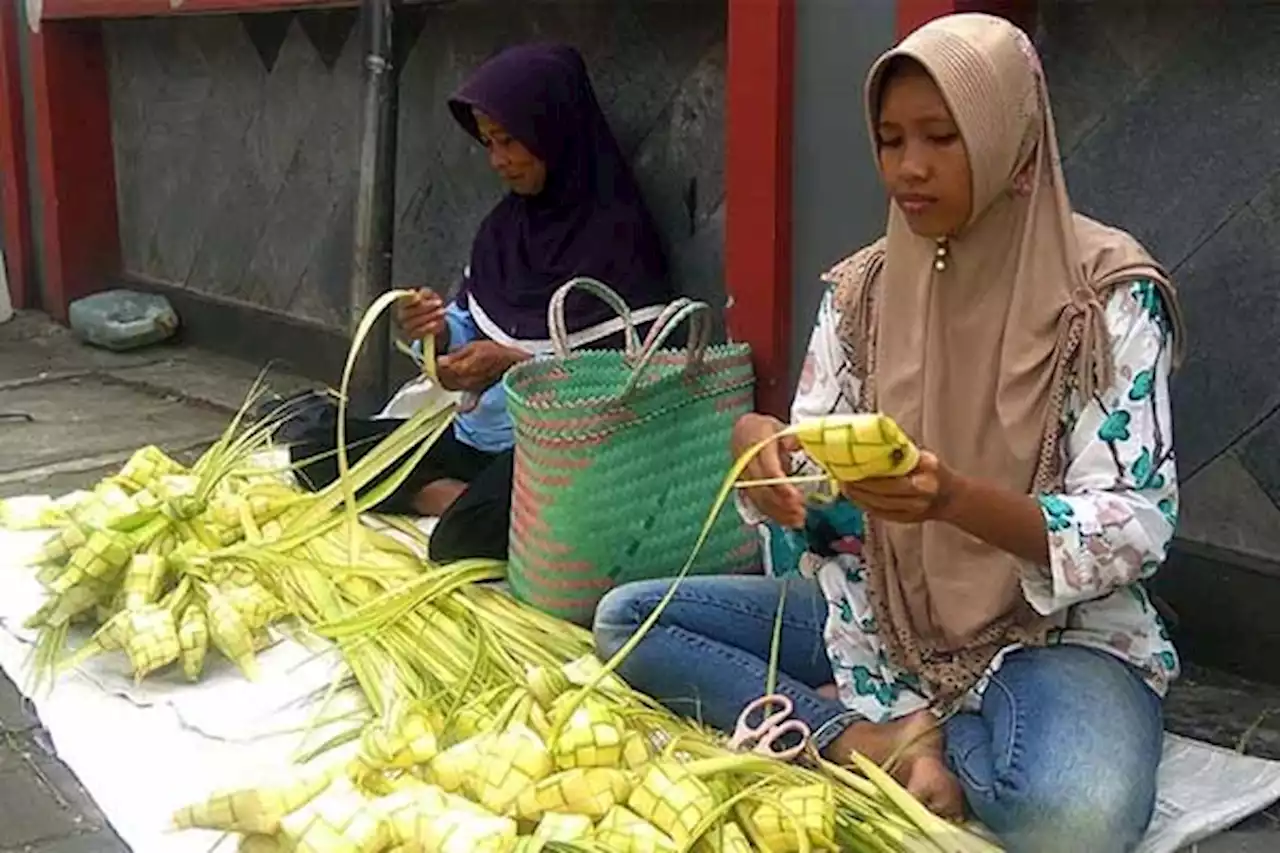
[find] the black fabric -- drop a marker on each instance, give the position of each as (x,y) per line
(448,459)
(308,412)
(475,525)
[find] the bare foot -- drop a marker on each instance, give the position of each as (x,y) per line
(927,778)
(912,749)
(435,498)
(919,766)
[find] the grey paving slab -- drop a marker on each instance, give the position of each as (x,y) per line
(82,417)
(1240,842)
(34,347)
(16,713)
(104,841)
(207,378)
(37,750)
(1228,711)
(29,810)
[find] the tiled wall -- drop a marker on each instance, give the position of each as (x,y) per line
(1169,113)
(237,137)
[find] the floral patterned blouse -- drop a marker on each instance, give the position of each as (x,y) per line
(1109,529)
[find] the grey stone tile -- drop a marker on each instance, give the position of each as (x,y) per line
(323,289)
(1086,74)
(223,257)
(680,164)
(291,95)
(1260,454)
(16,713)
(30,811)
(59,353)
(1228,382)
(698,268)
(104,841)
(233,100)
(59,482)
(58,780)
(1225,506)
(1267,202)
(1226,711)
(75,419)
(238,182)
(1172,181)
(215,380)
(1148,33)
(1239,841)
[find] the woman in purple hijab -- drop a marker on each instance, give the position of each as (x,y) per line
(572,209)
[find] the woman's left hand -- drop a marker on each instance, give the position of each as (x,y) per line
(477,365)
(922,495)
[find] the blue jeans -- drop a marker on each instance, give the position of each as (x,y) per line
(1061,758)
(708,655)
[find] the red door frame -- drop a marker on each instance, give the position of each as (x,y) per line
(15,209)
(757,259)
(75,161)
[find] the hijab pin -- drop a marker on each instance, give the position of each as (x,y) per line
(940,256)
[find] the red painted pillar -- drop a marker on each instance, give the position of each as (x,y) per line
(15,210)
(758,189)
(79,234)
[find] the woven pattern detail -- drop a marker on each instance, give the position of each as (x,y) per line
(612,489)
(812,806)
(588,791)
(673,800)
(592,737)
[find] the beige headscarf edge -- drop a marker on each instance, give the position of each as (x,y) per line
(949,602)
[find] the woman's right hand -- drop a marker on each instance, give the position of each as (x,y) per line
(421,315)
(783,502)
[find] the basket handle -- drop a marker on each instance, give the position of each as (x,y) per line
(661,321)
(698,313)
(559,331)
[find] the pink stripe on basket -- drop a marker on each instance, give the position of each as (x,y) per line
(537,454)
(737,401)
(566,585)
(560,605)
(535,564)
(581,423)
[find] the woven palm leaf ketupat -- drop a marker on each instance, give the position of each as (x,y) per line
(618,455)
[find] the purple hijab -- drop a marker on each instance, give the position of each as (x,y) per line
(589,219)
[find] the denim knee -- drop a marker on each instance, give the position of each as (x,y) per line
(620,613)
(1063,756)
(1104,817)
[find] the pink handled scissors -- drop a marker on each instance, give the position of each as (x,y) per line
(763,738)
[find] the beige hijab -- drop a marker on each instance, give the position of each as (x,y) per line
(975,361)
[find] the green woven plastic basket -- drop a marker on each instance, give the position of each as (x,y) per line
(619,456)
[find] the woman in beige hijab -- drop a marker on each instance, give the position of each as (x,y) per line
(984,616)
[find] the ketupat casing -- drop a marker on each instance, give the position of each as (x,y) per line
(858,447)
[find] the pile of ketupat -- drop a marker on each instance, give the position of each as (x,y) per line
(500,731)
(496,729)
(164,560)
(119,559)
(492,726)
